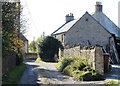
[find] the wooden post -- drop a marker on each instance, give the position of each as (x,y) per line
(106,62)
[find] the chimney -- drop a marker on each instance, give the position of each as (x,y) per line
(69,17)
(98,7)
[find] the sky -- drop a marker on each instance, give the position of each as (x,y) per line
(48,15)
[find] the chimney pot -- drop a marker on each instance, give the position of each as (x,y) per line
(98,7)
(69,17)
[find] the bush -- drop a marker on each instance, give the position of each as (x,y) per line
(19,58)
(64,63)
(79,68)
(91,76)
(67,70)
(112,82)
(48,48)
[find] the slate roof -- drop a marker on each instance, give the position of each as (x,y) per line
(103,21)
(106,22)
(65,27)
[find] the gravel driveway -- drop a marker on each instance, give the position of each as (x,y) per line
(46,73)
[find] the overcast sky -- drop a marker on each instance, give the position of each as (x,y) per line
(48,15)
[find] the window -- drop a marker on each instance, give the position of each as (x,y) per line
(63,37)
(86,19)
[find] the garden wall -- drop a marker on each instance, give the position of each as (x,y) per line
(30,55)
(8,62)
(93,53)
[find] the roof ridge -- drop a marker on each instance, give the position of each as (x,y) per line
(95,20)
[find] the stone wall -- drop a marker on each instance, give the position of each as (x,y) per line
(93,53)
(30,55)
(73,51)
(8,62)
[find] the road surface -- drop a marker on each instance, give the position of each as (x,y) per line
(46,73)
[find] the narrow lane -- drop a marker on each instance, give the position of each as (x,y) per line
(29,76)
(46,73)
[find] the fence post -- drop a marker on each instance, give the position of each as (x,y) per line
(106,62)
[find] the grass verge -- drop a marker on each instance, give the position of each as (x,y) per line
(13,76)
(112,82)
(39,60)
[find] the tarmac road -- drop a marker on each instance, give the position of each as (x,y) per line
(37,74)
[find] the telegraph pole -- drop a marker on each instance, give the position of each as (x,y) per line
(18,23)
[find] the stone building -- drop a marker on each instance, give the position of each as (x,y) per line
(25,41)
(104,20)
(96,29)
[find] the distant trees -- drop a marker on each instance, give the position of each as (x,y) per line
(33,46)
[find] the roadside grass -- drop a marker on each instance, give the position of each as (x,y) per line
(13,76)
(55,64)
(111,82)
(39,60)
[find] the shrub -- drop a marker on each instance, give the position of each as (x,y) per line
(112,82)
(79,68)
(64,63)
(48,48)
(90,76)
(67,70)
(19,58)
(78,65)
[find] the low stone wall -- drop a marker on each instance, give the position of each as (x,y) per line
(8,62)
(30,55)
(93,53)
(73,51)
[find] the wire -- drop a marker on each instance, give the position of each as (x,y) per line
(31,17)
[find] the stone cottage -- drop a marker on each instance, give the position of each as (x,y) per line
(25,41)
(96,29)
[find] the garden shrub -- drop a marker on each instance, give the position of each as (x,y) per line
(67,70)
(79,68)
(64,62)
